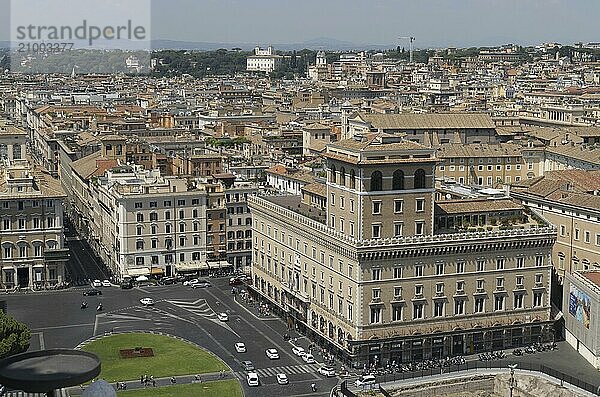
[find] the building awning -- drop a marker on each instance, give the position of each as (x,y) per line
(138,271)
(156,271)
(191,266)
(219,265)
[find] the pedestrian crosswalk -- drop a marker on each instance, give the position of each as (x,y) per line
(286,369)
(199,307)
(59,393)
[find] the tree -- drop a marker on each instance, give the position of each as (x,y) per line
(14,336)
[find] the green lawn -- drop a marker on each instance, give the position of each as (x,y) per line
(171,357)
(229,388)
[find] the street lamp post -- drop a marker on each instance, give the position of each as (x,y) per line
(512,383)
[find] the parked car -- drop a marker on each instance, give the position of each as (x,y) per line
(252,379)
(240,347)
(147,301)
(167,281)
(247,365)
(365,380)
(96,283)
(273,354)
(327,371)
(223,317)
(126,285)
(92,292)
(282,379)
(308,358)
(298,350)
(106,283)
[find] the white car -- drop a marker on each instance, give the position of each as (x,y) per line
(282,379)
(191,282)
(147,301)
(308,358)
(326,371)
(106,283)
(365,380)
(298,350)
(240,347)
(273,354)
(96,283)
(252,379)
(223,317)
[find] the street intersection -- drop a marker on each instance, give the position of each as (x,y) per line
(57,321)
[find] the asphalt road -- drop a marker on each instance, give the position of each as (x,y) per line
(82,264)
(57,321)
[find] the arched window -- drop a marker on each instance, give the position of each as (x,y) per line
(343,176)
(398,180)
(376,181)
(332,175)
(419,179)
(352,179)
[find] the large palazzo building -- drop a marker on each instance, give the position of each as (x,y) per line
(370,277)
(32,254)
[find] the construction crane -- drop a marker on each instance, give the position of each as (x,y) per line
(410,39)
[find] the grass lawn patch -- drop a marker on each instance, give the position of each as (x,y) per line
(229,388)
(171,357)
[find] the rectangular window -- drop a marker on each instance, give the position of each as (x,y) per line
(460,267)
(376,293)
(439,269)
(350,312)
(518,301)
(417,311)
(396,313)
(397,292)
(420,205)
(438,308)
(21,224)
(153,204)
(398,206)
(480,265)
(499,263)
(459,307)
(498,302)
(587,237)
(332,199)
(419,228)
(499,283)
(397,272)
(520,262)
(479,305)
(376,273)
(398,226)
(137,205)
(480,285)
(418,290)
(376,231)
(576,234)
(376,207)
(539,260)
(375,315)
(418,270)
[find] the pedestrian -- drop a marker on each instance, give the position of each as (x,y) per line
(153,383)
(141,379)
(118,386)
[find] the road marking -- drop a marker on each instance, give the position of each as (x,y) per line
(63,326)
(281,347)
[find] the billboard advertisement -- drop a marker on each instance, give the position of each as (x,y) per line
(580,305)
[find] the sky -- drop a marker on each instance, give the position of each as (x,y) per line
(434,23)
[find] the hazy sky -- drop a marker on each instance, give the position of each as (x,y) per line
(432,22)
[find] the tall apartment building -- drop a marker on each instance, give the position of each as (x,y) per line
(372,280)
(147,224)
(239,224)
(31,218)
